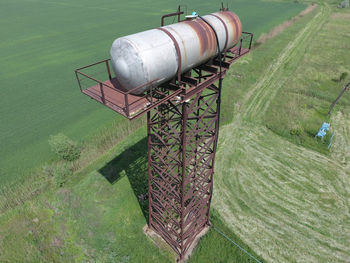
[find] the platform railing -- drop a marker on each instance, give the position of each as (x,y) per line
(246,35)
(78,72)
(103,86)
(147,98)
(240,49)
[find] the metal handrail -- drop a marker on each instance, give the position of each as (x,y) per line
(248,34)
(77,71)
(96,80)
(103,85)
(170,15)
(178,14)
(99,62)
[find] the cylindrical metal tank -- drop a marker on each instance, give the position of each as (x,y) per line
(142,57)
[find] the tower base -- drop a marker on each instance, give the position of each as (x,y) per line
(160,243)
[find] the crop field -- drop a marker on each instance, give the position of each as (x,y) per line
(279,193)
(43,41)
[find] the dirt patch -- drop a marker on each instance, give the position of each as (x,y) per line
(307,10)
(341,16)
(280,28)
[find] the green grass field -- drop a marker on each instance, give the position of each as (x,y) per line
(284,197)
(44,41)
(97,218)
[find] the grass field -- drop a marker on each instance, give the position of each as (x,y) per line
(97,218)
(44,41)
(283,197)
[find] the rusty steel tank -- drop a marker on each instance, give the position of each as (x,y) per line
(155,54)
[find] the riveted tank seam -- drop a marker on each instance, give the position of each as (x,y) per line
(226,31)
(205,35)
(233,18)
(184,58)
(213,38)
(232,22)
(177,48)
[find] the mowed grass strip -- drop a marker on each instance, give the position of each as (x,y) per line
(287,202)
(312,84)
(43,41)
(340,147)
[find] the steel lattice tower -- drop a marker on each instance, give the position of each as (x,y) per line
(182,129)
(182,138)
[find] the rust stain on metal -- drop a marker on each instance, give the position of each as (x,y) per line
(226,31)
(184,53)
(206,36)
(178,51)
(234,20)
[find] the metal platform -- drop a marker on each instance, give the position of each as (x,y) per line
(110,93)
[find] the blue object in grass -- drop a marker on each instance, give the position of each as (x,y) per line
(325,126)
(321,133)
(323,130)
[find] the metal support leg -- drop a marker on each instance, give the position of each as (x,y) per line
(182,140)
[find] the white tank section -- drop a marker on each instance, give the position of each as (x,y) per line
(142,57)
